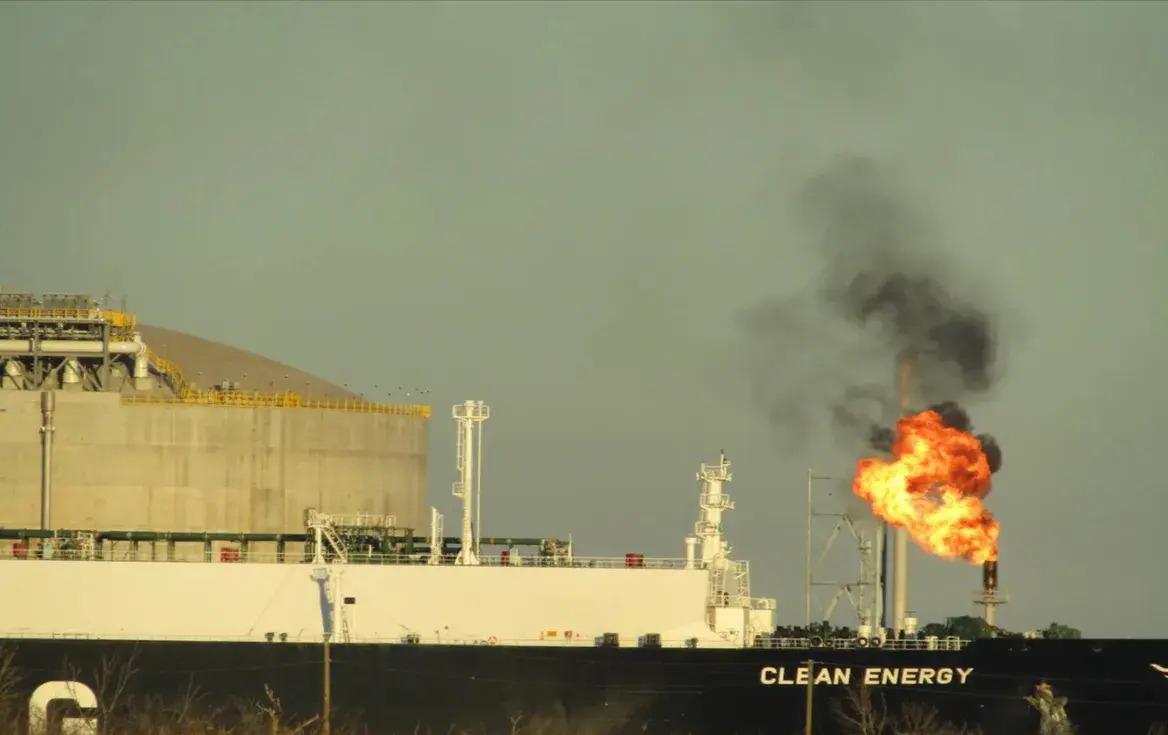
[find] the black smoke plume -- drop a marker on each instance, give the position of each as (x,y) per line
(884,289)
(952,415)
(992,451)
(881,438)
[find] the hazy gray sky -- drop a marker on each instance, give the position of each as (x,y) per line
(564,210)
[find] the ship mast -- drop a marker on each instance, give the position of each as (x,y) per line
(731,612)
(713,501)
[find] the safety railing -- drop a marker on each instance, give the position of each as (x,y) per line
(246,399)
(185,393)
(721,501)
(193,552)
(119,319)
(928,643)
(171,373)
(351,520)
(581,640)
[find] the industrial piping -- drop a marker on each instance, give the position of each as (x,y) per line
(70,347)
(136,347)
(48,403)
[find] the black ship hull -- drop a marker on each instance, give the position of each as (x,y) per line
(1112,687)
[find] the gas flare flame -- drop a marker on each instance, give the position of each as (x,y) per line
(933,487)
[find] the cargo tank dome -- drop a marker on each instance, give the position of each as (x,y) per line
(155,429)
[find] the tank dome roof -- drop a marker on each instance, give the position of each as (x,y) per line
(209,363)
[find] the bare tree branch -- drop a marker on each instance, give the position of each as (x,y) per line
(861,714)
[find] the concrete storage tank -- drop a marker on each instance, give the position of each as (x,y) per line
(137,443)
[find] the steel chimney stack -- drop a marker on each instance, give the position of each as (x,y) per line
(905,364)
(989,596)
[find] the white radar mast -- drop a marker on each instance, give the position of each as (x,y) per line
(713,501)
(469,416)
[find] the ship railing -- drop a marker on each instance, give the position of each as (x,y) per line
(928,643)
(725,599)
(564,639)
(720,501)
(234,554)
(363,520)
(381,521)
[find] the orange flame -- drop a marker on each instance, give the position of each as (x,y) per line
(933,488)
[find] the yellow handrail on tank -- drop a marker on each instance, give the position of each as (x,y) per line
(256,399)
(186,394)
(172,373)
(120,319)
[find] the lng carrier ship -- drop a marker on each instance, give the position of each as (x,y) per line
(173,557)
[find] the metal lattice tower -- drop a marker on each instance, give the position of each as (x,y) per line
(864,593)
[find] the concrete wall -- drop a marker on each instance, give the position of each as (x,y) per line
(449,604)
(197,468)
